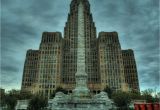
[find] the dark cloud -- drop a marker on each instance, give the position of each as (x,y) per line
(136,21)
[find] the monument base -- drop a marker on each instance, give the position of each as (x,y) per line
(81,92)
(69,102)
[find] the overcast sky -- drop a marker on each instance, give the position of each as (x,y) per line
(23,21)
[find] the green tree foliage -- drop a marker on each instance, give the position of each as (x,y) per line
(11,102)
(158,95)
(109,91)
(147,95)
(37,103)
(121,99)
(11,99)
(2,99)
(135,95)
(25,95)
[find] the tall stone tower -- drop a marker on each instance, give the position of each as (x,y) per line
(50,63)
(111,61)
(130,70)
(71,45)
(43,67)
(30,71)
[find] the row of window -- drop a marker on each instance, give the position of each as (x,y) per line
(130,71)
(130,66)
(50,46)
(127,62)
(54,52)
(33,54)
(127,55)
(109,39)
(51,71)
(51,38)
(132,80)
(46,86)
(30,75)
(28,80)
(48,80)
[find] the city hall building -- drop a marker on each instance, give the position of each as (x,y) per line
(54,64)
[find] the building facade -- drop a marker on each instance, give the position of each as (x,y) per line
(43,67)
(50,63)
(110,61)
(30,71)
(130,70)
(55,63)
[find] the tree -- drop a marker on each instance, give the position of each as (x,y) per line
(37,103)
(158,95)
(109,91)
(121,99)
(11,99)
(25,95)
(135,95)
(2,99)
(147,95)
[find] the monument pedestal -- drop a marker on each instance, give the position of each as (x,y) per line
(69,102)
(81,90)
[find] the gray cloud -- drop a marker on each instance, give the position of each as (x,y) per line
(22,24)
(9,68)
(136,21)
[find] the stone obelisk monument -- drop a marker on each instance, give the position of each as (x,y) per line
(81,89)
(80,99)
